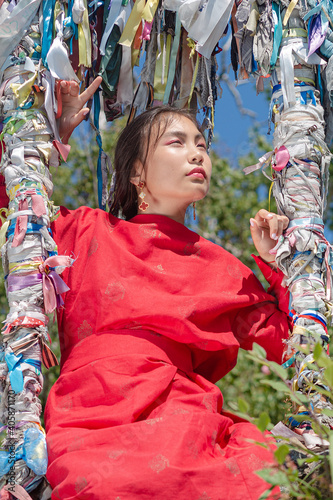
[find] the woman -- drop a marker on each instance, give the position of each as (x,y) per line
(154,317)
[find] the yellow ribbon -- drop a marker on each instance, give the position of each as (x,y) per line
(270,193)
(291,7)
(294,33)
(159,85)
(4,226)
(192,45)
(194,78)
(84,39)
(27,266)
(149,10)
(132,23)
(22,91)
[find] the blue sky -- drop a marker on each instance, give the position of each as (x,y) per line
(231,127)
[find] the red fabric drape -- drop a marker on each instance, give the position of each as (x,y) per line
(154,316)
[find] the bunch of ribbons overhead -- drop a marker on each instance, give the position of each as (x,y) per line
(173,44)
(291,43)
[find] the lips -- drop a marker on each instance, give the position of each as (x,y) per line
(198,171)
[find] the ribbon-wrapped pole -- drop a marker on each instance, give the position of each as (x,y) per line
(30,143)
(283,43)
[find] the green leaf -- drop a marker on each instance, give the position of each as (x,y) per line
(327,412)
(277,385)
(328,375)
(263,421)
(331,453)
(274,477)
(259,350)
(299,398)
(281,453)
(317,352)
(279,370)
(266,493)
(243,405)
(324,361)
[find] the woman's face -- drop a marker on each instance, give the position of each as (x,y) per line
(178,170)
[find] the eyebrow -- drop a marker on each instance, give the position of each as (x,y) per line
(183,135)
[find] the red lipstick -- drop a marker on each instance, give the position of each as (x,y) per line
(198,172)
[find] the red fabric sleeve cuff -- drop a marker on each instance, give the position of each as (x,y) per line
(274,278)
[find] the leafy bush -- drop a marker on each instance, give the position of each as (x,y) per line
(302,473)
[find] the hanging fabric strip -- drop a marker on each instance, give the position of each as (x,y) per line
(97,109)
(173,61)
(161,64)
(132,24)
(48,12)
(287,76)
(289,10)
(149,10)
(277,33)
(208,25)
(14,26)
(113,14)
(85,39)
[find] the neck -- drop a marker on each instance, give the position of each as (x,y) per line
(178,216)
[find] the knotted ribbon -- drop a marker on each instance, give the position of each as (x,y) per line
(32,451)
(53,285)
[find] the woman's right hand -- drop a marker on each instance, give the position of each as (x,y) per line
(73,111)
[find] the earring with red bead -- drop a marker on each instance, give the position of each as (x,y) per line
(143,205)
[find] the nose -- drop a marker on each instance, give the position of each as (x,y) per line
(196,156)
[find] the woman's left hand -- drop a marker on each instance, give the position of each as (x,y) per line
(266,228)
(73,110)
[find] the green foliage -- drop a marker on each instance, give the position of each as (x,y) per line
(302,474)
(244,382)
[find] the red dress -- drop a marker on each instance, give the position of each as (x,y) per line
(154,317)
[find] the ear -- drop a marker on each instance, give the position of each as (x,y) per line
(138,173)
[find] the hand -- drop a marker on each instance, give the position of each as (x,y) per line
(266,228)
(73,111)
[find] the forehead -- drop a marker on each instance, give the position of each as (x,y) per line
(175,123)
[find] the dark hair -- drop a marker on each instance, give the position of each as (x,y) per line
(133,144)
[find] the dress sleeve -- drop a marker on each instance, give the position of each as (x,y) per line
(266,322)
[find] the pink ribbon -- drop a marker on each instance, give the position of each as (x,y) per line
(17,491)
(282,157)
(38,206)
(53,285)
(146,31)
(21,224)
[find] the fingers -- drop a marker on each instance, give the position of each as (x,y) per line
(276,224)
(69,88)
(89,92)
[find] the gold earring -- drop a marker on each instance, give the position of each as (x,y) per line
(194,215)
(143,205)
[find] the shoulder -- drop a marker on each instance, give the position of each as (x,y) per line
(73,223)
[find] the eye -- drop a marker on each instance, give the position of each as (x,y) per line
(202,145)
(174,141)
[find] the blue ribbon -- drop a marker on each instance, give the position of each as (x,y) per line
(277,35)
(33,451)
(48,14)
(15,370)
(97,109)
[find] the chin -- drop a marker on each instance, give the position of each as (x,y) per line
(200,196)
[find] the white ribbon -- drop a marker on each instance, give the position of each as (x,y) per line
(125,91)
(112,18)
(205,26)
(14,25)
